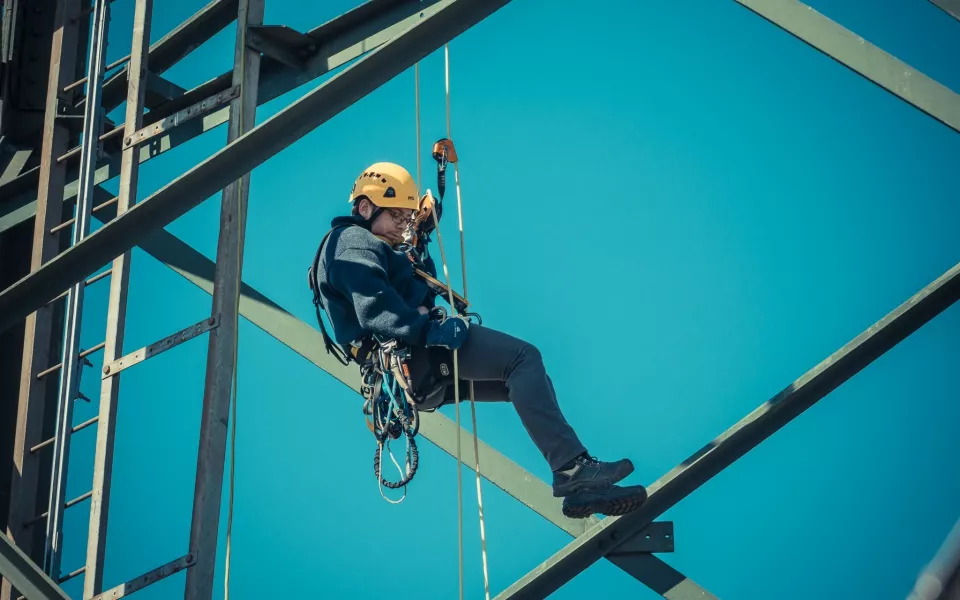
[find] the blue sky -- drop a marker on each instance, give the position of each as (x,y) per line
(684,208)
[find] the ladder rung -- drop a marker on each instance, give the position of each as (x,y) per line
(113,65)
(72,574)
(125,589)
(155,348)
(76,500)
(57,366)
(93,279)
(83,425)
(110,134)
(96,208)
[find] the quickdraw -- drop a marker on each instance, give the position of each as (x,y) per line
(391,406)
(390,413)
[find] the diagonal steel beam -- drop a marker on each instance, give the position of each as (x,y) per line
(241,156)
(951,7)
(763,422)
(496,468)
(25,575)
(852,51)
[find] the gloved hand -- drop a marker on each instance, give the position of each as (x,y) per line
(450,333)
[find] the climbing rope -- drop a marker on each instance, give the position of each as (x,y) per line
(463,271)
(449,290)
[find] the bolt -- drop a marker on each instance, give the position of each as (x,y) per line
(211,321)
(106,370)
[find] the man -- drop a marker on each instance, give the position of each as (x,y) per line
(368,288)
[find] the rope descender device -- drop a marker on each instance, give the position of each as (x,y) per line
(444,153)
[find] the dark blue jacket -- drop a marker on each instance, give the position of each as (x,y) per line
(368,288)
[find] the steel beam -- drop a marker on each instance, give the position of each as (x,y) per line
(17,568)
(851,50)
(495,467)
(951,7)
(242,155)
(39,333)
(607,536)
(223,341)
(341,40)
(116,310)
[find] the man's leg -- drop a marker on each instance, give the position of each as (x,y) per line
(492,357)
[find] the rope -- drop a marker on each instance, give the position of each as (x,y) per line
(473,404)
(416,85)
(456,400)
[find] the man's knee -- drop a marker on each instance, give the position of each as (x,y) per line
(531,353)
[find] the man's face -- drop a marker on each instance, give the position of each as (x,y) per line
(392,222)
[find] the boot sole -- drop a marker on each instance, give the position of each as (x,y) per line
(614,502)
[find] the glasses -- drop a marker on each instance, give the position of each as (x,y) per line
(400,218)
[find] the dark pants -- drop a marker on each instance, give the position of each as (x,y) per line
(506,369)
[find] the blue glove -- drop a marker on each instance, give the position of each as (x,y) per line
(450,333)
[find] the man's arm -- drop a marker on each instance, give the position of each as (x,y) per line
(360,276)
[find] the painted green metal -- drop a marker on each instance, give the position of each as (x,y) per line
(439,429)
(25,575)
(862,57)
(763,422)
(951,7)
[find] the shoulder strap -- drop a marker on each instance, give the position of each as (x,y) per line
(331,346)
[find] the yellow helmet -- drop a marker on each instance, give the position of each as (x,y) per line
(387,185)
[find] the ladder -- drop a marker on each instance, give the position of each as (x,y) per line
(62,113)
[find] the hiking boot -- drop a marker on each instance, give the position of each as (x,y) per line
(613,501)
(586,473)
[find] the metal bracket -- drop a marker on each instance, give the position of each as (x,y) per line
(182,116)
(282,44)
(125,589)
(155,348)
(655,537)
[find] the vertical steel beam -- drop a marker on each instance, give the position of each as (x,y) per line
(222,349)
(117,309)
(39,326)
(70,374)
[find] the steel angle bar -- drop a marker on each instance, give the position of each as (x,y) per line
(241,156)
(138,356)
(125,589)
(179,117)
(116,307)
(862,57)
(25,575)
(951,7)
(763,422)
(495,467)
(223,342)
